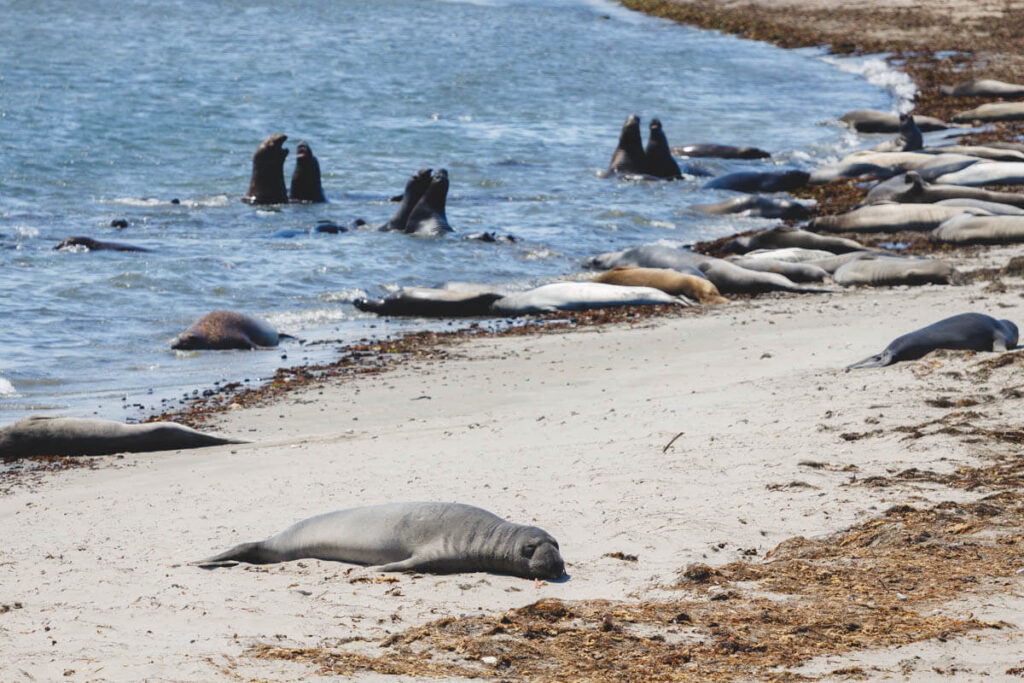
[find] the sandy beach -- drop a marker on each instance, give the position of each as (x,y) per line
(731,503)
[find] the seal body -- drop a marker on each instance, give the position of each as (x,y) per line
(439,538)
(874,121)
(756,205)
(909,139)
(992,111)
(227,330)
(414,189)
(760,181)
(912,188)
(266,184)
(733,279)
(659,161)
(970,331)
(651,256)
(984,87)
(430,303)
(968,229)
(795,271)
(667,280)
(889,218)
(720,151)
(90,244)
(306,185)
(989,173)
(428,216)
(629,157)
(580,296)
(42,435)
(889,271)
(784,236)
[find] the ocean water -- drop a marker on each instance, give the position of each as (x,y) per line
(110,110)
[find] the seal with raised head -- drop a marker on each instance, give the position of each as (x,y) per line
(660,163)
(266,184)
(908,140)
(43,435)
(306,186)
(414,189)
(428,217)
(629,157)
(221,330)
(967,331)
(440,538)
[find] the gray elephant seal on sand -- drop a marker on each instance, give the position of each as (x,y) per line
(970,331)
(756,205)
(266,184)
(983,87)
(427,302)
(227,330)
(968,229)
(42,435)
(441,538)
(876,270)
(785,236)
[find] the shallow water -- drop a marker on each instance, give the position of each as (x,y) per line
(111,110)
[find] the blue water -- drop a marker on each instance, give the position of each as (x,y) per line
(110,109)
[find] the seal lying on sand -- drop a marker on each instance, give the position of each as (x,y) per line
(581,296)
(430,303)
(970,331)
(873,121)
(983,87)
(95,245)
(968,229)
(890,218)
(795,271)
(913,189)
(988,173)
(667,280)
(629,157)
(784,236)
(227,330)
(651,256)
(733,279)
(266,184)
(890,271)
(42,435)
(756,205)
(428,216)
(414,189)
(993,111)
(441,538)
(306,185)
(720,151)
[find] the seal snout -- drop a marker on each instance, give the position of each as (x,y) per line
(546,562)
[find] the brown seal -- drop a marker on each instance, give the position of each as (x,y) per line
(667,280)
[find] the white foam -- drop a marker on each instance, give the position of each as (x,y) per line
(877,71)
(7,389)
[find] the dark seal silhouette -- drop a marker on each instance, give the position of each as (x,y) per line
(95,245)
(629,157)
(428,216)
(414,189)
(660,163)
(266,184)
(306,185)
(971,331)
(227,330)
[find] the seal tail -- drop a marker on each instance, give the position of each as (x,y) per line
(878,360)
(253,553)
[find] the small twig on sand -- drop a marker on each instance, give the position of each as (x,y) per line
(669,444)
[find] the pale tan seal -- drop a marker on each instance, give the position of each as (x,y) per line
(667,280)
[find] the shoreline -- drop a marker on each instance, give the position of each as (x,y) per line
(698,443)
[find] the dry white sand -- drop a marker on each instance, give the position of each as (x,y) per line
(565,431)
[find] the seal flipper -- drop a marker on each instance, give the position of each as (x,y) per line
(253,553)
(878,360)
(407,565)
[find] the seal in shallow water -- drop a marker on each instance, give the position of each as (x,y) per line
(720,151)
(629,157)
(42,435)
(660,163)
(428,217)
(970,331)
(306,185)
(89,244)
(441,538)
(266,184)
(227,330)
(427,302)
(414,189)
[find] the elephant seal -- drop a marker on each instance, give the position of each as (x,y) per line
(428,217)
(913,189)
(760,181)
(266,184)
(414,189)
(889,218)
(43,435)
(785,236)
(667,280)
(908,140)
(720,151)
(788,254)
(968,229)
(994,208)
(756,205)
(221,330)
(969,331)
(439,538)
(89,244)
(983,87)
(425,302)
(629,157)
(992,111)
(651,256)
(795,271)
(890,271)
(660,163)
(987,173)
(989,152)
(730,278)
(306,185)
(581,296)
(873,121)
